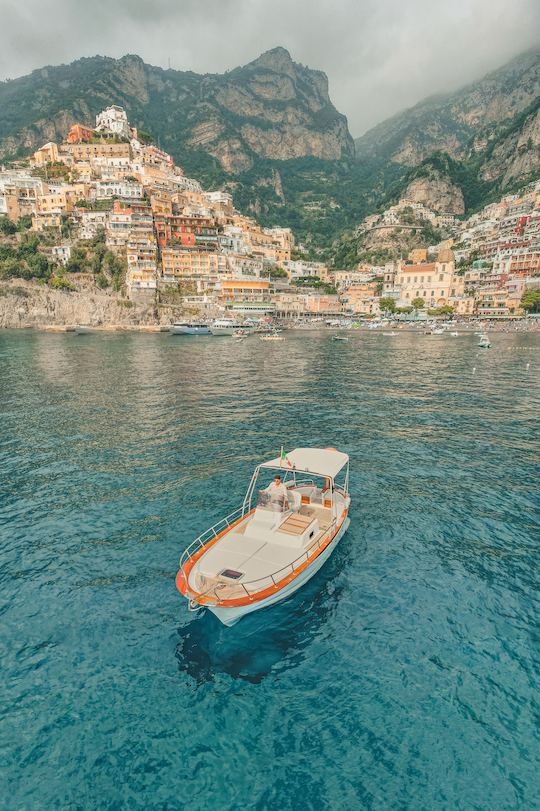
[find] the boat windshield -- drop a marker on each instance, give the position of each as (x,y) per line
(273,502)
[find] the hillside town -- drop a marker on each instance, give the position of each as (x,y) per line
(108,190)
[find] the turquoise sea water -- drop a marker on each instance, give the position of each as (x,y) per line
(404,676)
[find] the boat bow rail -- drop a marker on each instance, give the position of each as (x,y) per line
(209,535)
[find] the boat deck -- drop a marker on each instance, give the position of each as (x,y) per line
(259,561)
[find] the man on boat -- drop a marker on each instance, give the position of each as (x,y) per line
(278,494)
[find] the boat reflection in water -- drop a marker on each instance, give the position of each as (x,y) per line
(262,643)
(189,328)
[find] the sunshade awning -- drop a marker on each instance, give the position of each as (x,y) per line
(321,461)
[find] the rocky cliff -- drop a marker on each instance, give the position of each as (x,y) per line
(26,304)
(269,133)
(515,156)
(454,153)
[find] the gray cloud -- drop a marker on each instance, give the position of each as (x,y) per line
(380,55)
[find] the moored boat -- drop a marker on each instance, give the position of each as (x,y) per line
(223,326)
(274,336)
(340,337)
(484,342)
(276,541)
(187,328)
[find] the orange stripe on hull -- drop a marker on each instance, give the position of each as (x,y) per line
(183,575)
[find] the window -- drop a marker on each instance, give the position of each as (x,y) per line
(441,277)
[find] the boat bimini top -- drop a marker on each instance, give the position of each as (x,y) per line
(319,461)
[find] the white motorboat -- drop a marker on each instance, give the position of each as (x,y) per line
(223,326)
(340,337)
(276,541)
(484,342)
(454,334)
(188,328)
(389,334)
(240,334)
(274,336)
(437,331)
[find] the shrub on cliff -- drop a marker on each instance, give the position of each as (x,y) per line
(6,226)
(24,260)
(60,283)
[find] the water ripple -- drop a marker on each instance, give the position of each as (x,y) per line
(404,676)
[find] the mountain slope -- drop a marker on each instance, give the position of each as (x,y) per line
(271,108)
(267,131)
(459,123)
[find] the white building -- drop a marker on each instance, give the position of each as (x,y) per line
(219,198)
(118,188)
(113,119)
(298,268)
(61,253)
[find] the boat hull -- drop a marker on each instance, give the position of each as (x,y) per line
(189,330)
(230,616)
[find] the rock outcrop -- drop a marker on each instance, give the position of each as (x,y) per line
(516,157)
(29,304)
(437,192)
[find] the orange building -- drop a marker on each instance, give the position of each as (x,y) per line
(78,134)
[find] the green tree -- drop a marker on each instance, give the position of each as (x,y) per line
(275,273)
(530,301)
(6,226)
(387,305)
(24,223)
(418,303)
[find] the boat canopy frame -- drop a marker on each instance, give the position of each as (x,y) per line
(281,468)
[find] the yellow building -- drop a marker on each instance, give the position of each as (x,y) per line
(418,255)
(362,299)
(178,263)
(46,154)
(435,282)
(46,219)
(101,149)
(62,199)
(245,295)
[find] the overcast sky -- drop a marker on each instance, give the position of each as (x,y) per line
(380,55)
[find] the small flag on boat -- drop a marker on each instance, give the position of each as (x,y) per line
(285,458)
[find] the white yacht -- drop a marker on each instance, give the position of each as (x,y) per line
(223,326)
(275,542)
